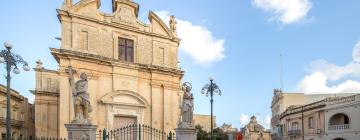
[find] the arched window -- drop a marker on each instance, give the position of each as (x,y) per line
(339,119)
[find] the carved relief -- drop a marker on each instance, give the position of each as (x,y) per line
(125,16)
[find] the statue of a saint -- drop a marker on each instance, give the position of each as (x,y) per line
(172,24)
(81,99)
(187,106)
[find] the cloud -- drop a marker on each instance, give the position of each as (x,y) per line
(285,11)
(322,71)
(244,119)
(267,121)
(197,41)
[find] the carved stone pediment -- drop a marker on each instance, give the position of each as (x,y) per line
(126,98)
(125,14)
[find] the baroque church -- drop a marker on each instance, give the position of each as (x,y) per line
(132,69)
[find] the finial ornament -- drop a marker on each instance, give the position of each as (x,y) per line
(39,64)
(68,3)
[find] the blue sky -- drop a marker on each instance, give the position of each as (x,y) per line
(238,42)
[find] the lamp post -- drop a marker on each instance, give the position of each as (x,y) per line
(11,60)
(211,89)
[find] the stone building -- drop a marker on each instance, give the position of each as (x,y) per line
(303,121)
(255,131)
(204,121)
(229,130)
(22,115)
(282,101)
(132,69)
(329,119)
(342,118)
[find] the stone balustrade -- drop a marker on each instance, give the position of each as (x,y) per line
(339,100)
(339,127)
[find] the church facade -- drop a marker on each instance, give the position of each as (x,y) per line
(132,69)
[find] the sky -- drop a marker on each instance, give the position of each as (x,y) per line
(238,42)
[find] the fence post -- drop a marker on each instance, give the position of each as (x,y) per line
(139,131)
(104,134)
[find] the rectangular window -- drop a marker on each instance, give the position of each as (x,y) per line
(311,122)
(126,50)
(84,38)
(48,82)
(161,55)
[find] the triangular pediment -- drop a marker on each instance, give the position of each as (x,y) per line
(158,25)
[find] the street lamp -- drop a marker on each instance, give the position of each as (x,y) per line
(11,60)
(211,89)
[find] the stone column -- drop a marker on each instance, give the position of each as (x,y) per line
(81,131)
(185,134)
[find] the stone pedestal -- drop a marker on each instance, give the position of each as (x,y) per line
(81,131)
(185,134)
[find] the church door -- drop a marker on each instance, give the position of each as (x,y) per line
(122,121)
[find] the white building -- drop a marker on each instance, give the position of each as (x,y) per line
(342,117)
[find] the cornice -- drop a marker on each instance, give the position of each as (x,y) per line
(46,93)
(46,70)
(69,54)
(305,108)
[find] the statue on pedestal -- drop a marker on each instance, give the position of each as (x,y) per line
(187,107)
(172,24)
(81,99)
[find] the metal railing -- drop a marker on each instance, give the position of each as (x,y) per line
(339,127)
(295,132)
(16,123)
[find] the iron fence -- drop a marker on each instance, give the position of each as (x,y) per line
(135,132)
(37,138)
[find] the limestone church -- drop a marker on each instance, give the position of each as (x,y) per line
(132,69)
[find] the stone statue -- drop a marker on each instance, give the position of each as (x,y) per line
(172,24)
(81,101)
(187,107)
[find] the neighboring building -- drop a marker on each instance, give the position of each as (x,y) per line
(306,120)
(281,101)
(342,118)
(332,118)
(204,121)
(229,130)
(132,69)
(22,115)
(255,131)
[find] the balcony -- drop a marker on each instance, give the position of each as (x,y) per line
(339,127)
(294,132)
(14,123)
(339,121)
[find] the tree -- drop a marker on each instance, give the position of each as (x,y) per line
(201,134)
(218,134)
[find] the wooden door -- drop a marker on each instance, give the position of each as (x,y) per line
(122,121)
